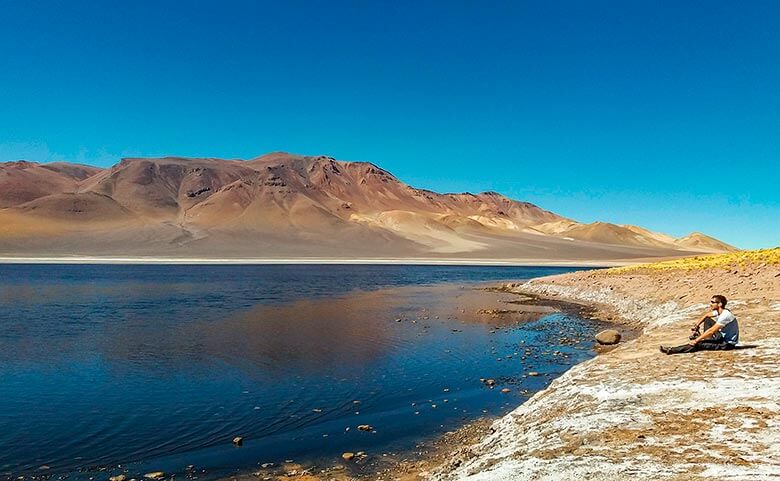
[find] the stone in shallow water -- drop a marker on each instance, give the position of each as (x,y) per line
(238,440)
(155,475)
(608,337)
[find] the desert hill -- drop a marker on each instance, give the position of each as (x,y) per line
(284,205)
(23,181)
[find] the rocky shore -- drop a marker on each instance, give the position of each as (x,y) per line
(635,413)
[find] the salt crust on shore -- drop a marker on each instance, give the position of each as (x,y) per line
(635,413)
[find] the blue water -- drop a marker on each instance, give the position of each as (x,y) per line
(107,369)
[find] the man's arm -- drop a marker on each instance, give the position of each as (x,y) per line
(703,318)
(707,334)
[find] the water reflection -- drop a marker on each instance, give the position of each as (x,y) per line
(133,369)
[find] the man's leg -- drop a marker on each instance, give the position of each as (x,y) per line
(700,346)
(706,324)
(683,349)
(714,345)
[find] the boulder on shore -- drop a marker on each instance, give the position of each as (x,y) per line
(608,337)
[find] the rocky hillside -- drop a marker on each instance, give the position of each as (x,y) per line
(288,205)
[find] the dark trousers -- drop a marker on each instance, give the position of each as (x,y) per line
(714,343)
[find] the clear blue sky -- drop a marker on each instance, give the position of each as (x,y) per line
(664,114)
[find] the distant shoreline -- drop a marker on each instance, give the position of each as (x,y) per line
(312,260)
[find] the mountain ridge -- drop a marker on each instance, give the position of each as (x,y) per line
(285,204)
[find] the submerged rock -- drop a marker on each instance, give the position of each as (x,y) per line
(608,337)
(238,440)
(155,475)
(120,477)
(348,456)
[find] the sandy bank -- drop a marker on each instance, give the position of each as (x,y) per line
(635,413)
(312,260)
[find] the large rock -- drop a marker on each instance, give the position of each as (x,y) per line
(608,337)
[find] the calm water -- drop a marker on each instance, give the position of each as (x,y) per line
(159,367)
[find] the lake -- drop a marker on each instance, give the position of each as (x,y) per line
(107,369)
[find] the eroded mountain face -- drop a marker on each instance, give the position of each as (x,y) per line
(288,205)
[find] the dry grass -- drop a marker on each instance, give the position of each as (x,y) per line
(761,257)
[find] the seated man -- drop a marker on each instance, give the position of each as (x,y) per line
(720,333)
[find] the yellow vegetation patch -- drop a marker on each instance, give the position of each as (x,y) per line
(715,261)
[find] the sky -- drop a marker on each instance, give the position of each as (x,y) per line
(664,114)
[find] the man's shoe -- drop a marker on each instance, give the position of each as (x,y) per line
(664,349)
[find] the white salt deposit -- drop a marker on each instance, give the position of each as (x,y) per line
(638,414)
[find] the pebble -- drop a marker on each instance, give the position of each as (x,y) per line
(365,427)
(348,456)
(155,475)
(238,440)
(533,373)
(506,390)
(120,477)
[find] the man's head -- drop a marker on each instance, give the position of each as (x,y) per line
(718,301)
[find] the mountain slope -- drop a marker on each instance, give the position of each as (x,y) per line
(704,243)
(23,181)
(289,205)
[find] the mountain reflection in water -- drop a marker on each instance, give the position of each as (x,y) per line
(143,365)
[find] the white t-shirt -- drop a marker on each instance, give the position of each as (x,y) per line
(730,329)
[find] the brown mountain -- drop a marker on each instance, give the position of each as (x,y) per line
(704,243)
(283,205)
(23,181)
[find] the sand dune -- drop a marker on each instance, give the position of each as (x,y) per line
(283,205)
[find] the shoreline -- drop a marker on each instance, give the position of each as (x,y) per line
(635,413)
(152,260)
(433,451)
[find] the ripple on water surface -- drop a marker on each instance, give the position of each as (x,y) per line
(161,366)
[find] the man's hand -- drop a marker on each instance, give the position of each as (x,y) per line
(693,342)
(707,334)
